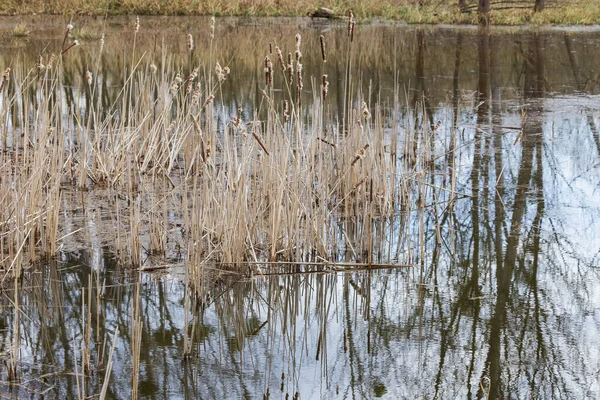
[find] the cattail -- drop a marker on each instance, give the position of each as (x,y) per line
(88,78)
(153,68)
(437,126)
(322,40)
(286,111)
(190,42)
(325,86)
(137,24)
(360,154)
(237,122)
(212,28)
(175,86)
(270,48)
(280,58)
(299,84)
(190,80)
(352,31)
(102,43)
(268,71)
(221,74)
(5,78)
(298,41)
(290,68)
(365,111)
(226,70)
(350,21)
(173,89)
(208,101)
(196,95)
(74,44)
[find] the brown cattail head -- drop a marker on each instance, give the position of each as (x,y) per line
(190,42)
(175,86)
(280,58)
(351,25)
(298,41)
(88,78)
(196,95)
(268,71)
(286,111)
(360,154)
(365,111)
(270,48)
(137,24)
(322,40)
(5,78)
(212,28)
(190,80)
(350,21)
(325,86)
(208,101)
(290,68)
(299,83)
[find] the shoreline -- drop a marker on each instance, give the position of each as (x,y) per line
(386,11)
(37,22)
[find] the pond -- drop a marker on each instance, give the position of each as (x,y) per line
(461,261)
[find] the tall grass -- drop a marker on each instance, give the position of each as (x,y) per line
(273,181)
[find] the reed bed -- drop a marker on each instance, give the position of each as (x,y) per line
(267,182)
(276,187)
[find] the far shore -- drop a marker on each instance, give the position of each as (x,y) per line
(565,14)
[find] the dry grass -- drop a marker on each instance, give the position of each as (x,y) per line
(20,30)
(293,184)
(432,12)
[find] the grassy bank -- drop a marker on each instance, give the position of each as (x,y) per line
(570,12)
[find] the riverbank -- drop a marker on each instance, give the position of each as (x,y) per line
(520,13)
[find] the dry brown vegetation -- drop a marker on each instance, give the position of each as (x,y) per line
(276,182)
(503,12)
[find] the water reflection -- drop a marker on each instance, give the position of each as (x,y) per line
(502,305)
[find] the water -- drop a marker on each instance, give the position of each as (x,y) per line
(505,303)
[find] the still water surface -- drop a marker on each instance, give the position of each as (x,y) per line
(508,302)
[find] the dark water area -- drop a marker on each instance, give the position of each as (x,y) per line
(501,301)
